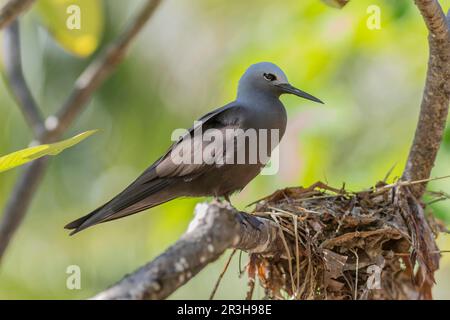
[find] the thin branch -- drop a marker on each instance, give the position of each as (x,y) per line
(14,73)
(219,280)
(12,9)
(94,75)
(214,229)
(436,97)
(20,200)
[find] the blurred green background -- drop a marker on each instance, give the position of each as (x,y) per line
(186,62)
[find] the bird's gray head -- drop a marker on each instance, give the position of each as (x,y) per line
(266,78)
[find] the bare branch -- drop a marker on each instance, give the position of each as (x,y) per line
(20,200)
(85,86)
(12,9)
(16,80)
(436,96)
(214,229)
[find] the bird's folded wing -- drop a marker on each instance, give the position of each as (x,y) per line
(155,177)
(189,156)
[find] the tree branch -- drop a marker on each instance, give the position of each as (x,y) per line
(20,200)
(11,10)
(436,96)
(13,69)
(94,75)
(215,228)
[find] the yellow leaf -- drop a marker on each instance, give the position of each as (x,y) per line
(77,25)
(336,3)
(21,157)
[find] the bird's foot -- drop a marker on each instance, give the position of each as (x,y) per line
(248,219)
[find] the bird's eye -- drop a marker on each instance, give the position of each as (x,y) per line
(270,77)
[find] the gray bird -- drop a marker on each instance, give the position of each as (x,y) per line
(257,107)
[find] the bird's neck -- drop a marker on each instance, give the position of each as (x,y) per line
(261,98)
(268,111)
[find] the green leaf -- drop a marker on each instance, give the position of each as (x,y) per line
(77,25)
(21,157)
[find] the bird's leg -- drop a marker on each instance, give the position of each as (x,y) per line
(220,200)
(227,199)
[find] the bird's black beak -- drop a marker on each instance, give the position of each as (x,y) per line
(287,88)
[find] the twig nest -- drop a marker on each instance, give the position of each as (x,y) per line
(374,244)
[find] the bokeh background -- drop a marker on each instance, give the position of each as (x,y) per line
(187,62)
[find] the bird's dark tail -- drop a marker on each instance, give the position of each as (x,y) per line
(79,224)
(135,198)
